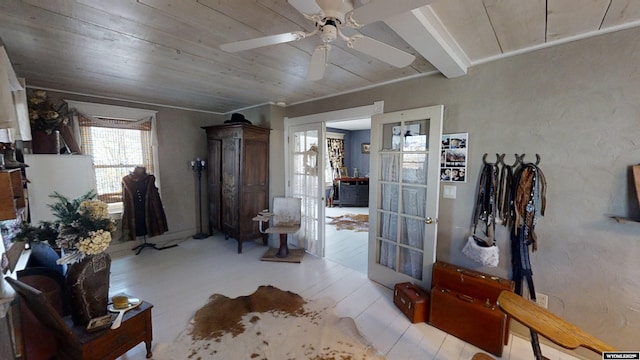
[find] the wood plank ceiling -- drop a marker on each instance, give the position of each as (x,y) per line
(167,51)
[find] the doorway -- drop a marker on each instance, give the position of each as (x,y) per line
(347,192)
(320,122)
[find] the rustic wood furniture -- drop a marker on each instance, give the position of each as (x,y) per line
(353,191)
(75,342)
(545,323)
(39,341)
(285,219)
(12,199)
(238,179)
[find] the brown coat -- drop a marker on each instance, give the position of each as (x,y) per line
(154,217)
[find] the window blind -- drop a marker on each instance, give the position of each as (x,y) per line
(117,147)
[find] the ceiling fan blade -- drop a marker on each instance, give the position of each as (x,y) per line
(379,50)
(384,9)
(318,62)
(260,42)
(305,6)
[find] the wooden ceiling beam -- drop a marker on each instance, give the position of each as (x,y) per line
(422,29)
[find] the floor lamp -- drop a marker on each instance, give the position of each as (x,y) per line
(197,166)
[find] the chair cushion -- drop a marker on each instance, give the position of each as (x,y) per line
(42,255)
(283,229)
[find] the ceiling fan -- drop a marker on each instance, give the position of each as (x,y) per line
(330,16)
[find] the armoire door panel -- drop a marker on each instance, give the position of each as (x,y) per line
(214,184)
(256,169)
(230,181)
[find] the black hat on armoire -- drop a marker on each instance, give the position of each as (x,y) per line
(237,118)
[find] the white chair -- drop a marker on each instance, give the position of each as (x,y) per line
(285,219)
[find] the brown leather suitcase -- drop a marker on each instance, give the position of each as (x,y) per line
(412,301)
(475,321)
(473,283)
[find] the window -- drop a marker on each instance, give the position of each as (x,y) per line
(117,146)
(119,139)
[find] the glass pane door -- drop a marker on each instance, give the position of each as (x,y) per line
(405,197)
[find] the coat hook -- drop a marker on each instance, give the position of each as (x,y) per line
(519,159)
(484,159)
(537,159)
(500,159)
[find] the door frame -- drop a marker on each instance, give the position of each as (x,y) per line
(380,273)
(324,118)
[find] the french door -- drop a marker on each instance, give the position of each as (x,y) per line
(306,179)
(403,195)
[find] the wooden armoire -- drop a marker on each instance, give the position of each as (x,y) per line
(238,179)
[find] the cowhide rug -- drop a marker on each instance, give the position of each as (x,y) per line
(356,222)
(268,324)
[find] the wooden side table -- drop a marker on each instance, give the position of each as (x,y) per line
(110,344)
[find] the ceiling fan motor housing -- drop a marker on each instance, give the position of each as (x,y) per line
(335,8)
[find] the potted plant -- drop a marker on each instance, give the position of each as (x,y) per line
(82,234)
(46,120)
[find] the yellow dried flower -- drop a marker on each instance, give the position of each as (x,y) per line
(97,242)
(94,209)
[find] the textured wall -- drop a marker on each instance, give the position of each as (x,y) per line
(358,159)
(577,105)
(353,157)
(181,140)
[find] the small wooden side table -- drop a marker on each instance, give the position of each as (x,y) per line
(110,344)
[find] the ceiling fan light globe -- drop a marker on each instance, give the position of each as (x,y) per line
(329,33)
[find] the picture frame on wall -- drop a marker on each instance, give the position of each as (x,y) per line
(453,159)
(365,148)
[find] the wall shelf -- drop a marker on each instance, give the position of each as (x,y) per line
(624,220)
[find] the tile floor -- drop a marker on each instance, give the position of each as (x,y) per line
(178,281)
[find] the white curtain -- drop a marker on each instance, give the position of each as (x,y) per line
(305,185)
(389,171)
(309,230)
(413,201)
(404,225)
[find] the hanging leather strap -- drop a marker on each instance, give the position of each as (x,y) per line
(504,191)
(485,208)
(528,200)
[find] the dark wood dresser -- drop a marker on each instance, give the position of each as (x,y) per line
(353,191)
(238,179)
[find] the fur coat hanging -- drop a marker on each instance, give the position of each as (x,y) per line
(142,206)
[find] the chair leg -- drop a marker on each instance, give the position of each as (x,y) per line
(284,248)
